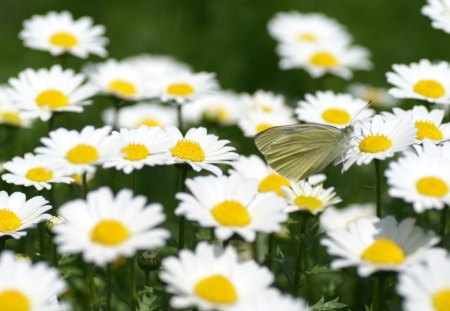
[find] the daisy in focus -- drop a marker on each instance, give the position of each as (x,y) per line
(17,214)
(59,33)
(18,290)
(200,150)
(231,205)
(216,279)
(375,95)
(423,80)
(339,110)
(42,92)
(104,227)
(254,122)
(340,218)
(437,11)
(35,170)
(378,246)
(378,138)
(9,112)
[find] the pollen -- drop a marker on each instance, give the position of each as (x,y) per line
(429,130)
(13,300)
(188,150)
(39,174)
(432,186)
(324,59)
(216,289)
(375,144)
(231,213)
(336,116)
(148,122)
(384,252)
(135,152)
(109,233)
(441,300)
(82,154)
(64,40)
(180,89)
(122,87)
(429,88)
(308,202)
(52,99)
(262,127)
(11,118)
(9,221)
(273,182)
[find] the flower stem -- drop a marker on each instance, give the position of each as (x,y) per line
(299,269)
(132,284)
(444,216)
(84,185)
(92,293)
(378,186)
(3,243)
(377,291)
(180,118)
(108,287)
(182,174)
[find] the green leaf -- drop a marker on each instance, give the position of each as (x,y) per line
(334,304)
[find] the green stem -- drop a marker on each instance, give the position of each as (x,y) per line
(84,185)
(132,284)
(378,186)
(3,243)
(377,289)
(444,216)
(146,278)
(179,118)
(182,188)
(270,246)
(108,287)
(256,249)
(92,293)
(299,269)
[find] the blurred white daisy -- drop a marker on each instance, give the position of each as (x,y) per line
(59,33)
(378,138)
(202,151)
(267,102)
(40,93)
(132,149)
(375,95)
(18,285)
(339,110)
(333,57)
(425,286)
(17,214)
(154,67)
(231,205)
(339,218)
(423,80)
(254,122)
(378,246)
(215,279)
(78,152)
(314,199)
(9,112)
(104,227)
(438,12)
(35,170)
(310,28)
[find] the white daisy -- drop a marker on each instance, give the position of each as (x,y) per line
(215,279)
(202,151)
(426,286)
(132,149)
(378,138)
(35,170)
(310,28)
(17,214)
(59,33)
(254,122)
(18,285)
(40,93)
(78,152)
(231,205)
(339,218)
(438,11)
(378,246)
(333,57)
(9,112)
(267,102)
(314,199)
(339,110)
(375,95)
(156,66)
(423,80)
(104,227)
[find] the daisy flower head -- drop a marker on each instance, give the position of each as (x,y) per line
(59,33)
(18,290)
(216,280)
(334,57)
(437,11)
(17,214)
(384,245)
(78,152)
(202,151)
(231,205)
(132,149)
(423,80)
(263,101)
(375,95)
(425,286)
(156,66)
(309,28)
(9,112)
(269,300)
(378,138)
(254,122)
(339,110)
(185,87)
(427,186)
(339,218)
(35,170)
(314,199)
(104,227)
(40,93)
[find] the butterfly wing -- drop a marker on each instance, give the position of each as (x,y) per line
(297,151)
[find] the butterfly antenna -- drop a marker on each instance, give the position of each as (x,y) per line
(361,110)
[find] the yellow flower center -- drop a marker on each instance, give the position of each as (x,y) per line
(39,174)
(308,202)
(109,233)
(324,59)
(135,152)
(429,130)
(441,300)
(9,221)
(217,114)
(148,122)
(188,150)
(122,88)
(216,289)
(375,144)
(180,89)
(273,182)
(307,36)
(13,300)
(384,251)
(432,186)
(52,99)
(82,154)
(262,127)
(336,116)
(429,88)
(11,118)
(64,40)
(231,213)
